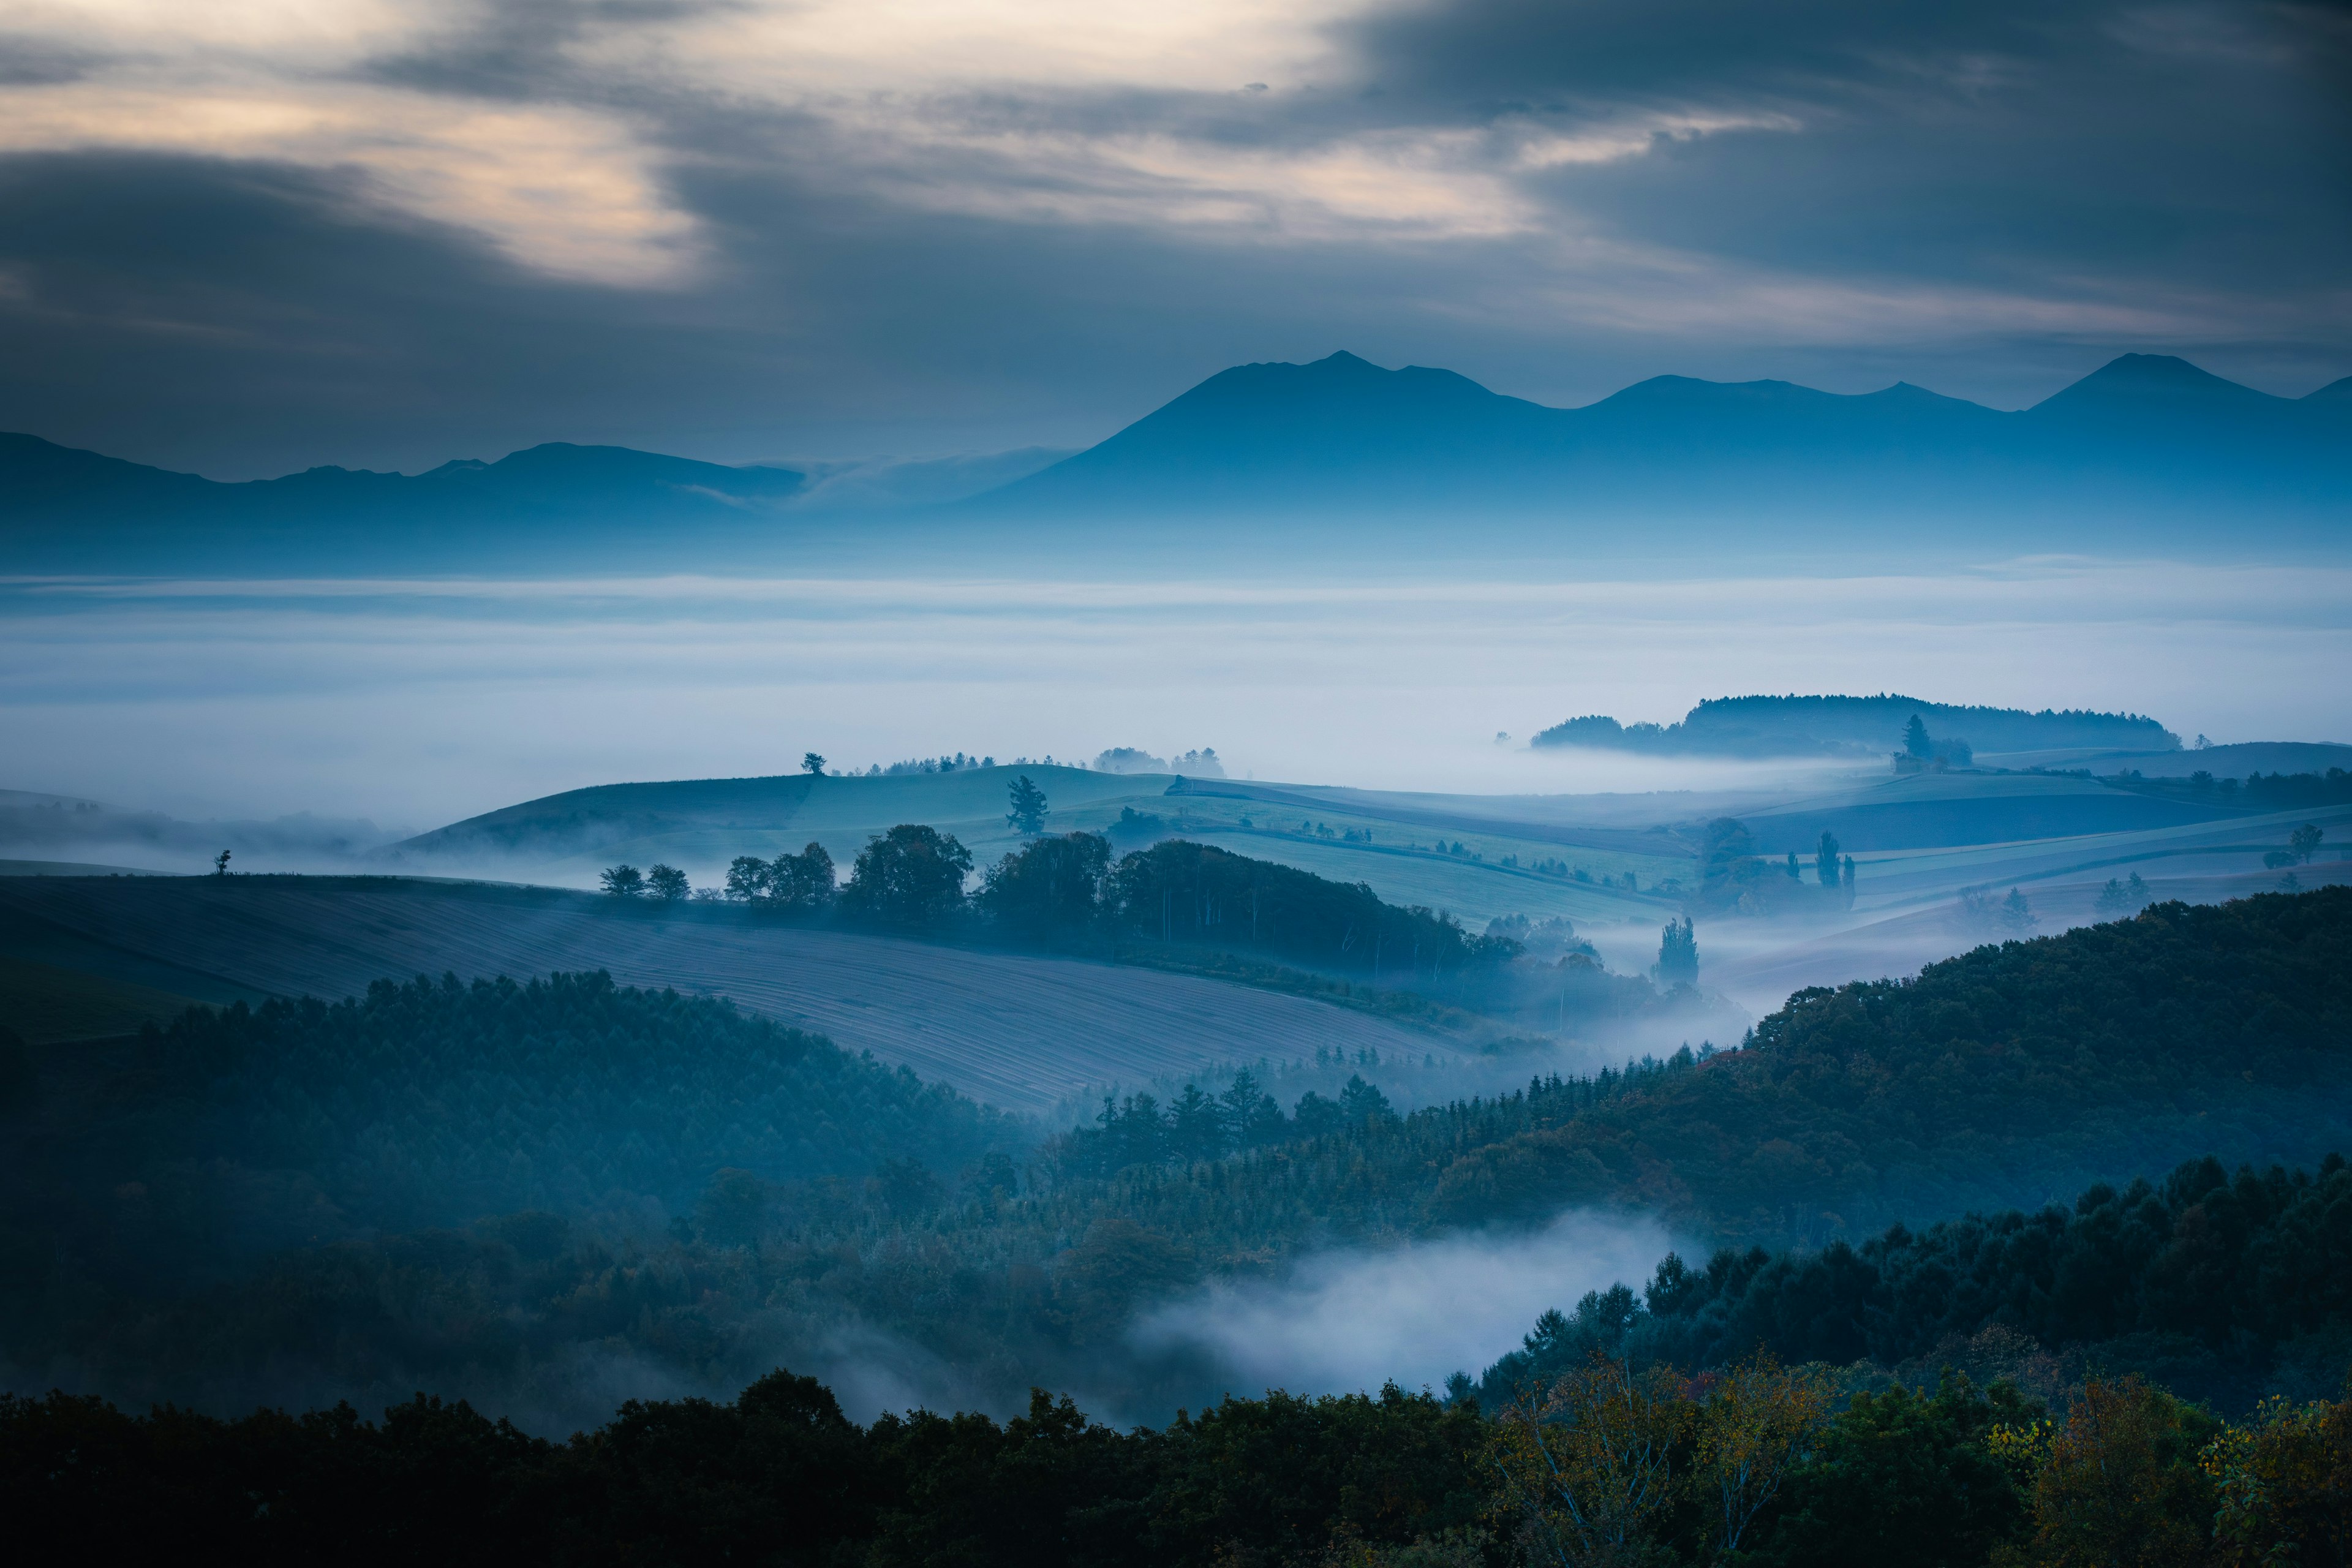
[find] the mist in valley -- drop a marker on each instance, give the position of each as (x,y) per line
(1349,1319)
(423,703)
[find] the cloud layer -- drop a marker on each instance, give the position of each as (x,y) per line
(250,236)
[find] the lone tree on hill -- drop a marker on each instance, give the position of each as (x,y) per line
(2305,841)
(1028,812)
(812,763)
(1915,739)
(666,883)
(220,864)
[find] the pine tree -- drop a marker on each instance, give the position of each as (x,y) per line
(1028,812)
(1678,953)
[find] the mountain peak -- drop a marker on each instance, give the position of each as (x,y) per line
(2137,381)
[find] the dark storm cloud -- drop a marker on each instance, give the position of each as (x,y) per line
(1988,198)
(2066,146)
(243,318)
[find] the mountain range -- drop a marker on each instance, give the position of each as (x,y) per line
(2146,446)
(2146,431)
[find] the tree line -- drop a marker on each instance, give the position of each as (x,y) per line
(2212,1281)
(1604,1465)
(1071,889)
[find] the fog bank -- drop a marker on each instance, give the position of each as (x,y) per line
(427,702)
(1346,1320)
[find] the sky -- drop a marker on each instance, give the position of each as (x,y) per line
(246,236)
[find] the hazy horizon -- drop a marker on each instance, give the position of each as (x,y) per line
(416,703)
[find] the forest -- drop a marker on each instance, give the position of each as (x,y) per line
(246,1204)
(2217,1285)
(1602,1464)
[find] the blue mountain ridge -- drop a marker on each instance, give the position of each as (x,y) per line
(2144,439)
(556,482)
(1343,431)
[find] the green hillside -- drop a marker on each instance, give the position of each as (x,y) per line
(47,1004)
(1020,1031)
(1401,845)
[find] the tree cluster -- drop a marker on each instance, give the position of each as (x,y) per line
(1735,879)
(2205,1280)
(776,1476)
(1196,1128)
(791,884)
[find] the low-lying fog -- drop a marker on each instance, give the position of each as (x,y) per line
(1345,1320)
(416,703)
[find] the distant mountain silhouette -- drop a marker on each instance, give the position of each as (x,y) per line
(2147,448)
(1343,433)
(43,483)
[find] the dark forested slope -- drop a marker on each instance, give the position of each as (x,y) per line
(435,1103)
(2011,1072)
(1998,1077)
(2218,1284)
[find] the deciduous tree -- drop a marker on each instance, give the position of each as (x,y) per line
(910,878)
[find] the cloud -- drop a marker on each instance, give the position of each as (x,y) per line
(907,225)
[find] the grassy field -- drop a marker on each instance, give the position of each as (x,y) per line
(1476,856)
(1616,865)
(1022,1032)
(1401,845)
(47,1004)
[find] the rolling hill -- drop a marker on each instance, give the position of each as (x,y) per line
(1022,1033)
(1392,841)
(1477,856)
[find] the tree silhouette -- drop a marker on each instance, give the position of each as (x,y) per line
(812,763)
(1028,812)
(909,877)
(622,881)
(1678,953)
(666,883)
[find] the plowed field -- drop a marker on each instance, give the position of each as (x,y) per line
(1016,1031)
